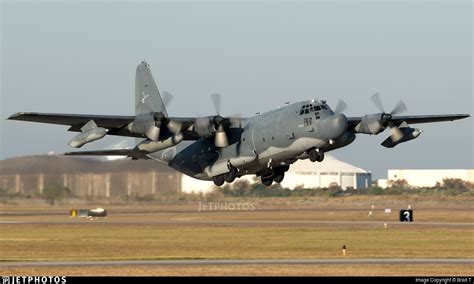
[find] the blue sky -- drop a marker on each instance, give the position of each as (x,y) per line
(80,57)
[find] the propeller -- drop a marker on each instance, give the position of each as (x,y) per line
(221,139)
(154,121)
(173,126)
(153,132)
(216,100)
(217,125)
(340,107)
(386,119)
(167,98)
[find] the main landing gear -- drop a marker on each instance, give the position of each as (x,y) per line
(277,176)
(316,155)
(228,177)
(218,180)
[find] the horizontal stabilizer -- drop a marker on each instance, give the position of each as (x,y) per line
(117,152)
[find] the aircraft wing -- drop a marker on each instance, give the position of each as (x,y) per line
(116,124)
(413,119)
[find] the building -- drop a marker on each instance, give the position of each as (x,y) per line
(87,177)
(119,178)
(306,174)
(331,171)
(429,178)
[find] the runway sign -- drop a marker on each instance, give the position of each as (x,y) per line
(406,215)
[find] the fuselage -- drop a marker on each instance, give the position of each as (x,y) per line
(268,141)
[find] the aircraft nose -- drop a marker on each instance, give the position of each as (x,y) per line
(333,126)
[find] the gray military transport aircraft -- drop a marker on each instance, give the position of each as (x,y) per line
(224,148)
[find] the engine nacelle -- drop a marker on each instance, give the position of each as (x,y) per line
(148,146)
(408,134)
(147,124)
(371,124)
(205,127)
(141,123)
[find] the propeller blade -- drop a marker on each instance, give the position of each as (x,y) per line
(167,98)
(375,98)
(153,133)
(340,107)
(216,100)
(399,108)
(221,140)
(174,126)
(397,134)
(236,121)
(375,126)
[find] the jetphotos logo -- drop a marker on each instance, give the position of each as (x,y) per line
(33,279)
(226,206)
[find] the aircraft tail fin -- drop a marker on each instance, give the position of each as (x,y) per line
(147,96)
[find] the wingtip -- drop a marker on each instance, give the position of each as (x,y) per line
(15,115)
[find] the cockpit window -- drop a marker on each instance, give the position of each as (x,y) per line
(312,108)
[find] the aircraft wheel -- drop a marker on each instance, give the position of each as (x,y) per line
(267,182)
(230,176)
(320,156)
(313,155)
(279,178)
(218,180)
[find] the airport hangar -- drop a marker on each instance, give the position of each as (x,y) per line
(305,174)
(118,178)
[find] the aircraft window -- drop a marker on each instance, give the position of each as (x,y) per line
(317,108)
(324,107)
(306,110)
(317,116)
(301,111)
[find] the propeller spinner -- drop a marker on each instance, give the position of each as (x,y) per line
(386,119)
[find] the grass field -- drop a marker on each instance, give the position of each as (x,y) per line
(90,240)
(253,270)
(124,242)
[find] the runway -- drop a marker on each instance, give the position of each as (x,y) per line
(304,223)
(216,262)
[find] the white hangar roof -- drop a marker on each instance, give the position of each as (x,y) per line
(329,165)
